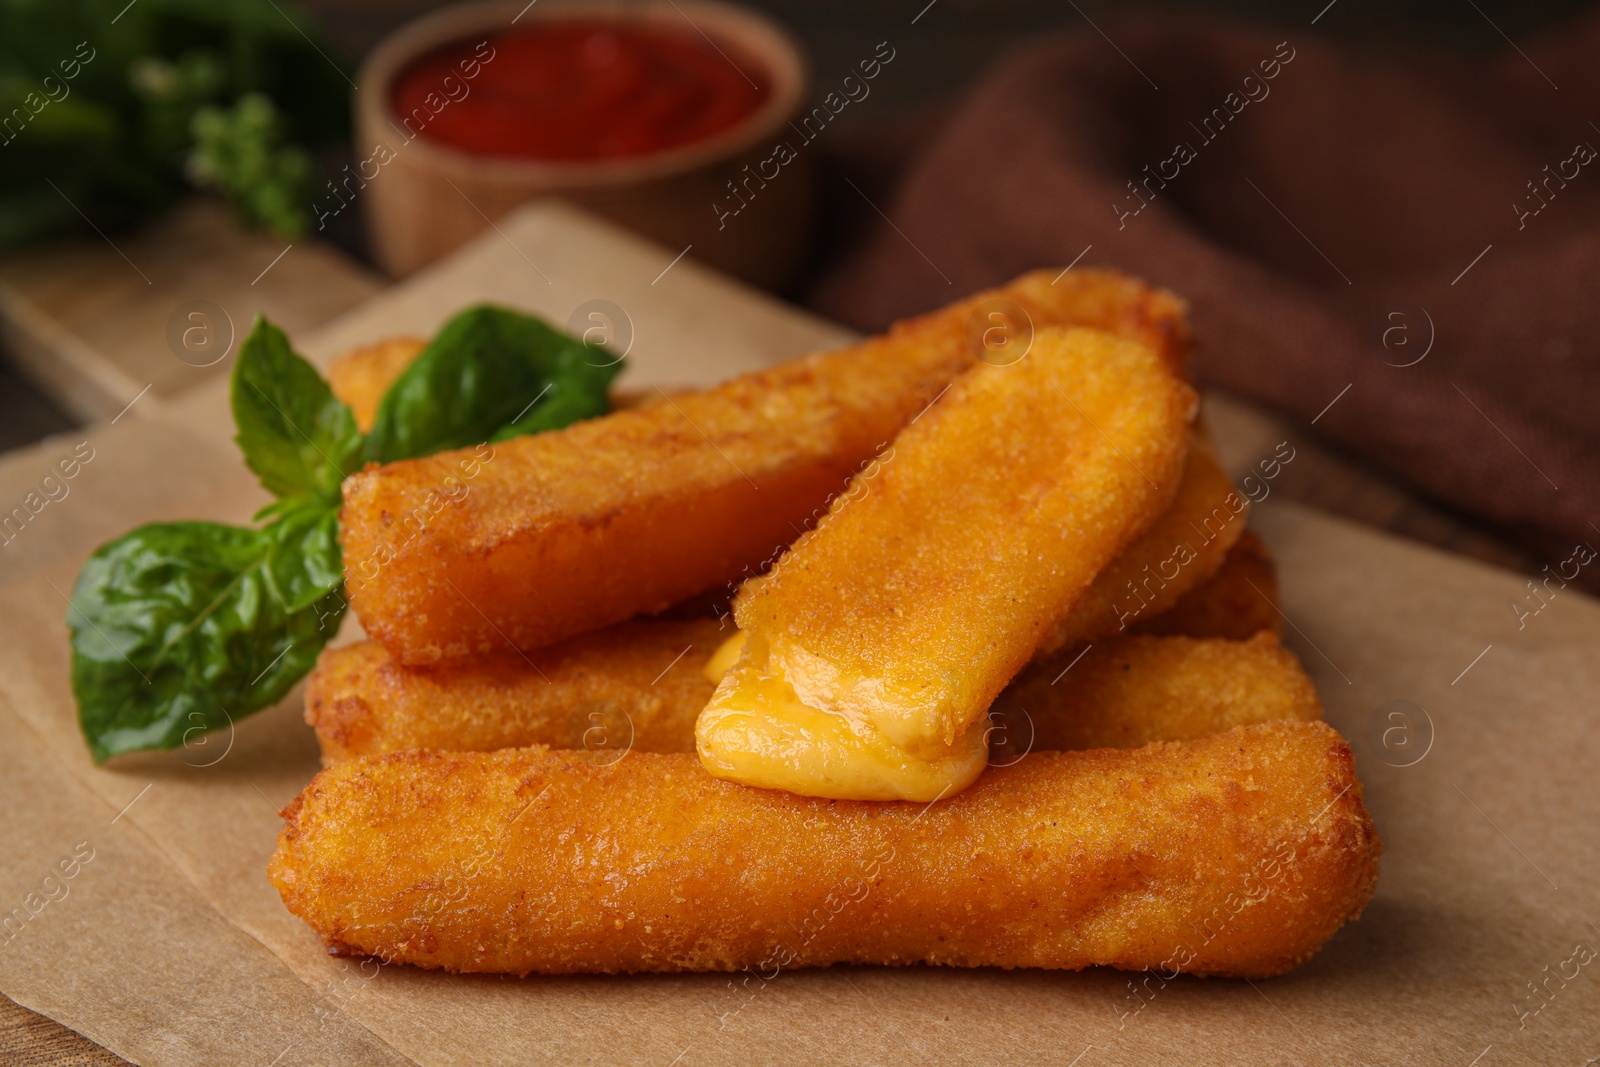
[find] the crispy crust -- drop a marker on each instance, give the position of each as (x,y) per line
(1179,551)
(1239,600)
(1133,690)
(1234,855)
(568,531)
(635,685)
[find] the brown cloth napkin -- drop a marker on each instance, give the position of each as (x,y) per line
(1325,213)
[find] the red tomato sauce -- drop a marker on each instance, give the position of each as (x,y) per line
(579,90)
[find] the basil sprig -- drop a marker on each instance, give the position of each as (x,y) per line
(185,626)
(490,374)
(298,437)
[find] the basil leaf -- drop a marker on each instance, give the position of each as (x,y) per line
(181,625)
(489,374)
(294,433)
(303,557)
(578,390)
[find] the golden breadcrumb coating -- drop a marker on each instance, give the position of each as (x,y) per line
(1235,855)
(635,685)
(1239,600)
(1181,550)
(1129,691)
(564,532)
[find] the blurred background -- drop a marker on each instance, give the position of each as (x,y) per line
(80,334)
(952,49)
(968,35)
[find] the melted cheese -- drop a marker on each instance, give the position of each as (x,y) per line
(757,730)
(723,659)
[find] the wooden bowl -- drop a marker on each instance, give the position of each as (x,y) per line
(423,198)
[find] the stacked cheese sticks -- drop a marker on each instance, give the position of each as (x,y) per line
(1016,699)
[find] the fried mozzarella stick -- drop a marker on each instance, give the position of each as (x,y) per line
(636,685)
(1239,600)
(1180,551)
(874,648)
(564,532)
(1133,690)
(640,685)
(1234,855)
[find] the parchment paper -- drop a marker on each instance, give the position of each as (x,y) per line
(170,947)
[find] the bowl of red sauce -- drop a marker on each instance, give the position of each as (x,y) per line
(653,113)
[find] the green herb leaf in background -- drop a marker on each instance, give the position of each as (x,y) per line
(108,92)
(243,153)
(186,625)
(489,374)
(294,433)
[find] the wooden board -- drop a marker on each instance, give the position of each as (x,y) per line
(1487,885)
(87,318)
